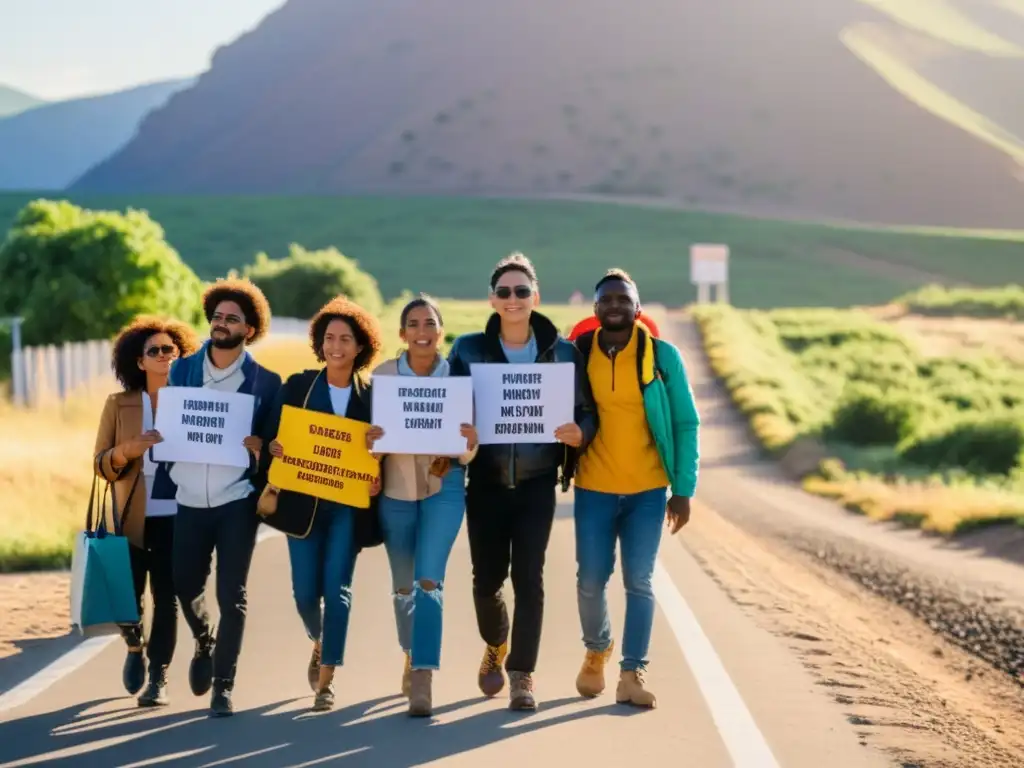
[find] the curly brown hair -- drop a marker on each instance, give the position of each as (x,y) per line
(130,344)
(365,328)
(246,295)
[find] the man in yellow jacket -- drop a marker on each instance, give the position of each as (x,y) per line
(646,447)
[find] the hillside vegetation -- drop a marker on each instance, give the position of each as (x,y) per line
(446,246)
(817,110)
(938,439)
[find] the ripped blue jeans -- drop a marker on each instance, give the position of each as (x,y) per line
(418,537)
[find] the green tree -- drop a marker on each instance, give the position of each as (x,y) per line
(76,274)
(302,282)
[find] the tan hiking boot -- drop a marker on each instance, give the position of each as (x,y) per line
(590,680)
(520,691)
(631,690)
(420,703)
(491,678)
(406,672)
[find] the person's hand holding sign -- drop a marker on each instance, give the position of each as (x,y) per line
(276,449)
(373,434)
(570,434)
(375,487)
(134,448)
(254,444)
(468,431)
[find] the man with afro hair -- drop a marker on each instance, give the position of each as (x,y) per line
(217,504)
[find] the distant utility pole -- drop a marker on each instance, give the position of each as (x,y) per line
(18,383)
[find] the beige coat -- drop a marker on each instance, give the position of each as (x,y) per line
(408,477)
(120,422)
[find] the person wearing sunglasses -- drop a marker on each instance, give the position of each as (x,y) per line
(510,497)
(143,491)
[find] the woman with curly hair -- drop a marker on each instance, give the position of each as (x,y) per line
(422,504)
(346,339)
(141,361)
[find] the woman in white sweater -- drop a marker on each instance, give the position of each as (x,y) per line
(422,506)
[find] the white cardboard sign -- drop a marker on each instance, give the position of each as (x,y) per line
(522,402)
(203,426)
(422,414)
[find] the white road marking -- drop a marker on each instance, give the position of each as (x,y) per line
(740,734)
(81,654)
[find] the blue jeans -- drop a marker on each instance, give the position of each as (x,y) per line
(635,520)
(418,537)
(322,566)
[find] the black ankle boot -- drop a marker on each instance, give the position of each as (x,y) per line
(220,701)
(155,694)
(200,671)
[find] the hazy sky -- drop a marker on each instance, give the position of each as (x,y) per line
(62,48)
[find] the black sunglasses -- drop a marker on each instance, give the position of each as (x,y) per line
(166,349)
(522,291)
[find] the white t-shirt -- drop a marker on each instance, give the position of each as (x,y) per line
(154,507)
(339,398)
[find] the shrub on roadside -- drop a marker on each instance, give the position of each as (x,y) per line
(980,443)
(302,282)
(868,415)
(937,300)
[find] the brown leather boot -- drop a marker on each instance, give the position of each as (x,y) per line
(491,677)
(420,703)
(631,690)
(520,691)
(590,681)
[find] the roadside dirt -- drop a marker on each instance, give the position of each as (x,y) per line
(913,696)
(34,606)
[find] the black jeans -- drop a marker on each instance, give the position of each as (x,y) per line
(230,530)
(509,528)
(155,562)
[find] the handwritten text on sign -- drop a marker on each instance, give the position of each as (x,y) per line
(324,456)
(522,402)
(203,426)
(422,415)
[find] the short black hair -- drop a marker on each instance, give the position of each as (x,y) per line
(615,274)
(514,262)
(130,344)
(420,301)
(364,327)
(246,295)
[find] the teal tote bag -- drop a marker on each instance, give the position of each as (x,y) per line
(102,589)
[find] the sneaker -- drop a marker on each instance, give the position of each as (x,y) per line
(324,698)
(220,701)
(520,691)
(420,699)
(590,680)
(491,678)
(313,671)
(200,671)
(133,674)
(407,677)
(631,690)
(155,694)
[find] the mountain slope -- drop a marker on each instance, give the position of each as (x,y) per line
(13,101)
(734,104)
(50,146)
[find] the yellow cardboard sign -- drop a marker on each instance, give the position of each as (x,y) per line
(324,456)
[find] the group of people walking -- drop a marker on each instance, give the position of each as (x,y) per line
(631,452)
